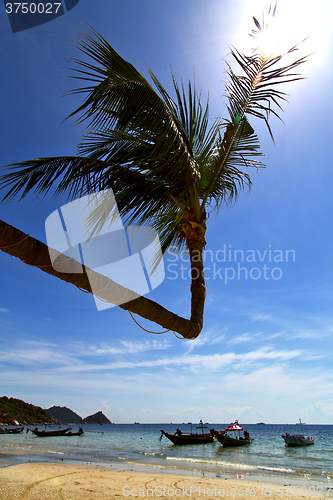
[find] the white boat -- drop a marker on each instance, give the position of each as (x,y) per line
(297,439)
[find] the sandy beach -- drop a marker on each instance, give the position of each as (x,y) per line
(46,481)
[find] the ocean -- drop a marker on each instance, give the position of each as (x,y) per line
(138,445)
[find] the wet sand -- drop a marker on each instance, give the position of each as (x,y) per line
(47,481)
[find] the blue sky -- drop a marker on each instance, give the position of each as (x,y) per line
(265,351)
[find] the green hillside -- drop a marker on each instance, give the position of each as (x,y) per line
(64,415)
(15,409)
(97,418)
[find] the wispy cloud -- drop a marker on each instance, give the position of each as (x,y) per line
(245,337)
(122,347)
(214,336)
(320,409)
(261,317)
(148,345)
(215,414)
(3,310)
(208,362)
(74,356)
(38,355)
(153,375)
(176,398)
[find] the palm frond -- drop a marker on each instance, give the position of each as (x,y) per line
(42,174)
(255,93)
(161,156)
(122,99)
(252,93)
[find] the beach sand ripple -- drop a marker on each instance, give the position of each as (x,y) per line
(34,481)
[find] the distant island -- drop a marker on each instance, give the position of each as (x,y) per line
(64,415)
(97,418)
(67,416)
(17,412)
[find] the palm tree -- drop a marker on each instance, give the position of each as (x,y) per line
(159,155)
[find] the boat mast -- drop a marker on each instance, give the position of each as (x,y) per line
(300,421)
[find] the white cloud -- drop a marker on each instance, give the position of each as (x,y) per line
(245,337)
(265,391)
(320,409)
(106,405)
(70,357)
(208,362)
(148,345)
(261,317)
(126,347)
(152,373)
(37,356)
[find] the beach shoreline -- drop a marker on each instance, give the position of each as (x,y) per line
(136,446)
(17,458)
(131,457)
(65,481)
(16,464)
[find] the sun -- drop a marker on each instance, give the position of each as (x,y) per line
(294,22)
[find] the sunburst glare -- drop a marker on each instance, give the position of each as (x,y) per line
(290,22)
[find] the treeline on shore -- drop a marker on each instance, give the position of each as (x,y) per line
(15,411)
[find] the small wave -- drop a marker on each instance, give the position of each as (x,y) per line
(145,465)
(275,469)
(234,465)
(152,454)
(210,462)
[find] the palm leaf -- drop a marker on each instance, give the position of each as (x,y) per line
(252,93)
(161,157)
(123,100)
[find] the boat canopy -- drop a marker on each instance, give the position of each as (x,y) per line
(234,427)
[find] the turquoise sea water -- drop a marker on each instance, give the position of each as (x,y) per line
(139,444)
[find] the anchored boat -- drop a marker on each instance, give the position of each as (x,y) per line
(59,432)
(297,439)
(234,435)
(193,438)
(15,430)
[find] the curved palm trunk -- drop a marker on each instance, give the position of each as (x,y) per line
(194,233)
(33,252)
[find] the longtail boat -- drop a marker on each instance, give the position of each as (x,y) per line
(232,437)
(15,430)
(78,433)
(193,438)
(297,439)
(58,432)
